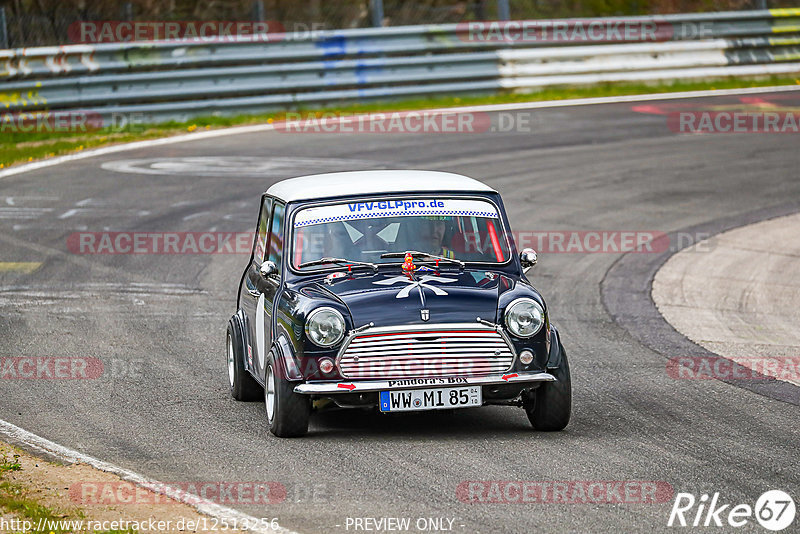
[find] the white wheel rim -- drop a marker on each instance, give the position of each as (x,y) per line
(269,397)
(231,363)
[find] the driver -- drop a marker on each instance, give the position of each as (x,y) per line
(432,232)
(337,242)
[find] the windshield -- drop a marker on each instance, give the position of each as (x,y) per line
(464,229)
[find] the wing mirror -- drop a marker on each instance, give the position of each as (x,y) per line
(528,259)
(268,268)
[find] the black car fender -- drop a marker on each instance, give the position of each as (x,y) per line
(285,358)
(554,358)
(238,322)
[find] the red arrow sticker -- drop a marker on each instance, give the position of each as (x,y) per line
(506,377)
(349,387)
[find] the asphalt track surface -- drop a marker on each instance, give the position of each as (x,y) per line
(158,321)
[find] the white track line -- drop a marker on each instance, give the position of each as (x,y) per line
(209,508)
(223,513)
(465,109)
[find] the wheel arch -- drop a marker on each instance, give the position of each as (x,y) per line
(556,348)
(284,357)
(238,322)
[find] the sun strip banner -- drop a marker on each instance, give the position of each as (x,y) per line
(425,207)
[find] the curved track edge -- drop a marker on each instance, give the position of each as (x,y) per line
(626,295)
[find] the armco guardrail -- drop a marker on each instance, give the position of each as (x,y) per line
(178,80)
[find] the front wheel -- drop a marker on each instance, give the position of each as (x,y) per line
(550,406)
(287,412)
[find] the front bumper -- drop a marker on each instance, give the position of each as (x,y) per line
(366,386)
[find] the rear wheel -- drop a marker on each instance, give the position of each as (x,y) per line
(550,406)
(242,384)
(287,412)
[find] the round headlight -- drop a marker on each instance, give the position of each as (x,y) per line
(524,317)
(325,327)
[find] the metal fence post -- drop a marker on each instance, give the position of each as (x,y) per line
(761,4)
(127,12)
(480,10)
(503,10)
(258,11)
(3,28)
(376,10)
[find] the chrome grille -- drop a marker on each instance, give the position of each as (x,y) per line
(428,351)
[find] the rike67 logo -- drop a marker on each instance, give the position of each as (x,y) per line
(774,510)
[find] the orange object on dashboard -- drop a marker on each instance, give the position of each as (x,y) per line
(408,264)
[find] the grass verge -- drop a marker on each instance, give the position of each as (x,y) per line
(38,496)
(16,503)
(20,147)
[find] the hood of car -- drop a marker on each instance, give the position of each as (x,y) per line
(395,298)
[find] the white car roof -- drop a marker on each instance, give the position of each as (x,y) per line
(340,184)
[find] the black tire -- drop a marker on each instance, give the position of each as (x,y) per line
(287,412)
(242,384)
(551,405)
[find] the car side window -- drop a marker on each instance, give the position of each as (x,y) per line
(276,234)
(263,231)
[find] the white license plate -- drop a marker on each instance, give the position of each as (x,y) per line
(430,399)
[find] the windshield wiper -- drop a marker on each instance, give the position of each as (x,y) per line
(338,261)
(423,256)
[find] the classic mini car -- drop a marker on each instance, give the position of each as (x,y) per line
(393,291)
